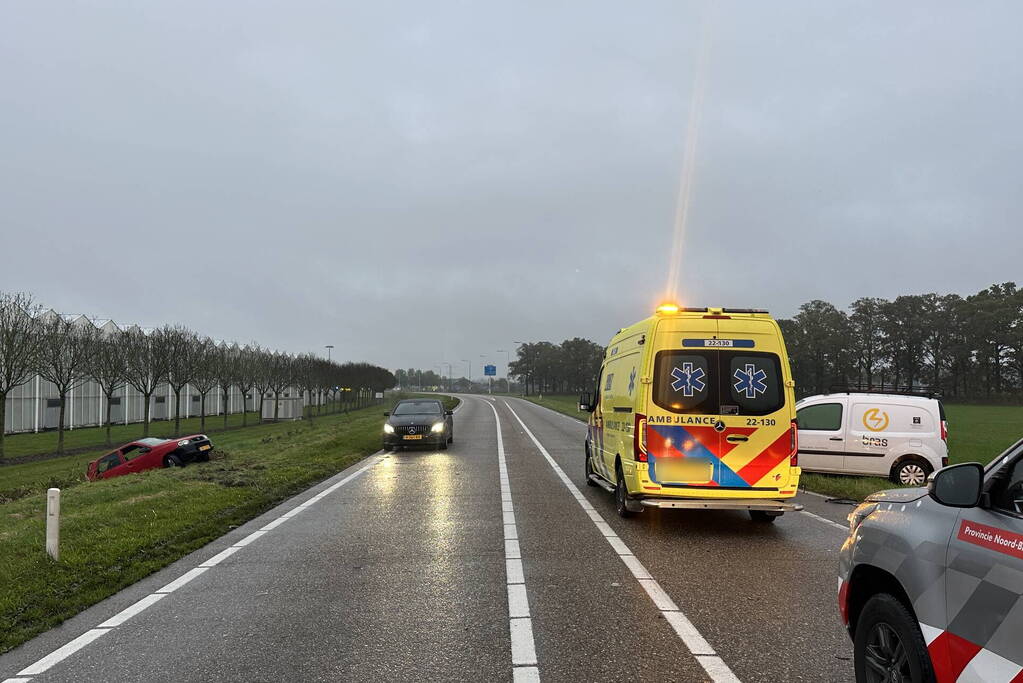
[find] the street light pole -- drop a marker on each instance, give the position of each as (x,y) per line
(328,347)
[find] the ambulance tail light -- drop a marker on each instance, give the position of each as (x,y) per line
(639,438)
(793,445)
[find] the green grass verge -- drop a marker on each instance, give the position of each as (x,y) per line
(21,445)
(117,531)
(976,433)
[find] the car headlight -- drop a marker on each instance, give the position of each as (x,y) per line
(388,429)
(859,514)
(183,442)
(437,428)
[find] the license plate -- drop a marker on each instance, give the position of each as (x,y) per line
(684,469)
(204,448)
(413,437)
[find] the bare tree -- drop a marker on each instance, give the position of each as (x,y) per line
(204,373)
(262,374)
(307,375)
(228,370)
(65,349)
(146,362)
(108,367)
(246,371)
(182,345)
(282,370)
(19,348)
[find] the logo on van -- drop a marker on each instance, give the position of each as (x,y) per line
(688,379)
(876,420)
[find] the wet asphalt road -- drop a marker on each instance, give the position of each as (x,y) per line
(399,570)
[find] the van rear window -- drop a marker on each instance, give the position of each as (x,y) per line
(718,382)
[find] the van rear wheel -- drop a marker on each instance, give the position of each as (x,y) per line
(911,472)
(622,496)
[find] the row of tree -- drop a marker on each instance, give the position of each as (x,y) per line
(568,367)
(965,347)
(69,352)
(428,380)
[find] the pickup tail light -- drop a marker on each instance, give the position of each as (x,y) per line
(639,438)
(794,445)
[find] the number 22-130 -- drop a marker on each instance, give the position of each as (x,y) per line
(760,422)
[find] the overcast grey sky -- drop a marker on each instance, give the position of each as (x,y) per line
(416,182)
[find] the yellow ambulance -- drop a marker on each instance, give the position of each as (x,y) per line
(694,408)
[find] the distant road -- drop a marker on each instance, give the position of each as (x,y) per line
(491,561)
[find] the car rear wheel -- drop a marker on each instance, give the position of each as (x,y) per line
(888,645)
(911,472)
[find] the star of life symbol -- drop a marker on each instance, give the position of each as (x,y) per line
(688,380)
(632,381)
(751,382)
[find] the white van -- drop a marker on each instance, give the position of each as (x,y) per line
(903,437)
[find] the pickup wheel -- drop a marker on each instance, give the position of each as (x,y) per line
(911,472)
(888,645)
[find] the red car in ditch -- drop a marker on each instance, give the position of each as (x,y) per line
(148,454)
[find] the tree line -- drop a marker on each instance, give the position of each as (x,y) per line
(568,367)
(68,352)
(963,347)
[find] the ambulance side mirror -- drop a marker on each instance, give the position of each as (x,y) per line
(586,403)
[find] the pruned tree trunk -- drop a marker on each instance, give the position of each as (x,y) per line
(3,422)
(226,398)
(60,424)
(146,411)
(245,409)
(202,412)
(107,419)
(177,411)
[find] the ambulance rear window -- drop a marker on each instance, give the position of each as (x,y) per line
(718,382)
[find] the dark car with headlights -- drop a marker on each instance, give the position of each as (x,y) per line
(932,578)
(418,422)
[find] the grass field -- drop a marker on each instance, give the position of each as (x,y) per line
(117,531)
(976,433)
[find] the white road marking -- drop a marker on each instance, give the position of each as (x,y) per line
(182,580)
(841,527)
(520,624)
(124,615)
(63,652)
(128,612)
(715,667)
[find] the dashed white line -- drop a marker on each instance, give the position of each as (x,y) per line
(520,623)
(63,652)
(148,601)
(701,650)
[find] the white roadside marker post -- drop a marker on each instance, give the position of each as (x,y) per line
(53,523)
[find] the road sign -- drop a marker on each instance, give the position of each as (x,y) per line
(490,371)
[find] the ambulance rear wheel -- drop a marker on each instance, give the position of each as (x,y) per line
(589,469)
(622,496)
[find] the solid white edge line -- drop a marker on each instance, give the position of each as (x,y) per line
(130,611)
(63,652)
(695,643)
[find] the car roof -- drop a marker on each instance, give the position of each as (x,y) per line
(419,400)
(877,398)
